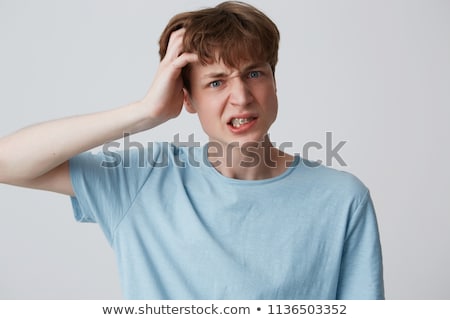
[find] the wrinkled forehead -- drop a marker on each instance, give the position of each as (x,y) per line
(239,62)
(233,53)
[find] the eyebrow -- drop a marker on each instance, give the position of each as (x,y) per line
(222,74)
(215,75)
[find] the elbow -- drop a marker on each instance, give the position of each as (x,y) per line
(13,169)
(4,177)
(8,172)
(3,164)
(10,177)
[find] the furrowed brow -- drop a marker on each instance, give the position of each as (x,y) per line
(255,66)
(222,74)
(214,75)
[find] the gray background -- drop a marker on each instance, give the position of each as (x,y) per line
(375,73)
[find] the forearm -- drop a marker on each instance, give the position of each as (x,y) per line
(35,150)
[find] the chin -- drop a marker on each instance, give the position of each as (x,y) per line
(250,140)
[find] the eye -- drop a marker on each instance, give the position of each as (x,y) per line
(215,83)
(254,74)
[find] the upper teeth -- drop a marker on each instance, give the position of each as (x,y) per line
(237,122)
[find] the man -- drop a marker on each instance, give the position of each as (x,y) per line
(234,219)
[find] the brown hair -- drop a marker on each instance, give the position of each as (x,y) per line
(231,32)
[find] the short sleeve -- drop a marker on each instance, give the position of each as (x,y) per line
(361,275)
(106,184)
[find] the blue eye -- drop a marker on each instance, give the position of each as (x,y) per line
(215,84)
(254,74)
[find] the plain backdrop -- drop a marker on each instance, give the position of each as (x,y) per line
(375,74)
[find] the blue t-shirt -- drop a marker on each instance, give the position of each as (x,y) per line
(181,230)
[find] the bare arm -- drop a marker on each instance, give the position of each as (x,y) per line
(28,156)
(37,156)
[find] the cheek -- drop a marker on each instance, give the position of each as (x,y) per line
(209,123)
(208,105)
(270,103)
(268,97)
(206,111)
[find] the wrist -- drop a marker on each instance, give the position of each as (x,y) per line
(141,118)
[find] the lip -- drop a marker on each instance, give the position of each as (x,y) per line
(245,126)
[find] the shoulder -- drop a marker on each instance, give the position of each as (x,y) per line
(329,180)
(110,156)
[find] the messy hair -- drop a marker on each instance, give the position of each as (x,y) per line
(231,32)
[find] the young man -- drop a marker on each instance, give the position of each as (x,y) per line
(234,219)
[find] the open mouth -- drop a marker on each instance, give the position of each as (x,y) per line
(238,122)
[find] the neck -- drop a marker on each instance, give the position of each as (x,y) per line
(252,161)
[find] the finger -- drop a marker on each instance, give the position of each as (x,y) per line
(175,45)
(184,59)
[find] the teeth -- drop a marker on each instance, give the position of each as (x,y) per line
(237,122)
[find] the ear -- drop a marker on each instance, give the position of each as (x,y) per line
(188,102)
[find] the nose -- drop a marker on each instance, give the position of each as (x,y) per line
(240,93)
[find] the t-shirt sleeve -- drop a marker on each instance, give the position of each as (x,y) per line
(105,185)
(361,275)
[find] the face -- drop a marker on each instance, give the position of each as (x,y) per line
(233,105)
